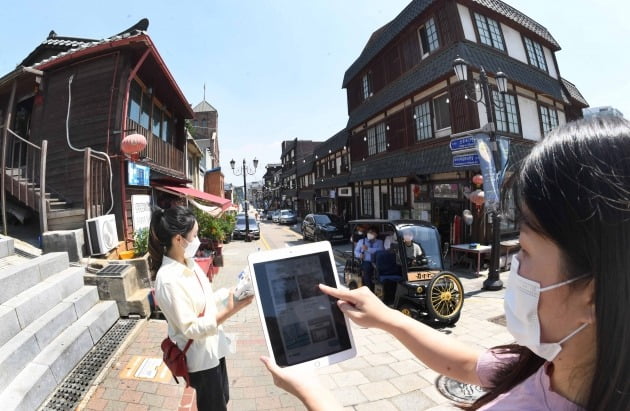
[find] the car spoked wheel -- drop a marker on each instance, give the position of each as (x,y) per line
(445,298)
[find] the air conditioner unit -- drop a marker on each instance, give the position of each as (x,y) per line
(102,234)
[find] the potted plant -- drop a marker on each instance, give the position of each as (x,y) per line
(141,241)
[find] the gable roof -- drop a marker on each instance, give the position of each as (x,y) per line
(383,36)
(203,107)
(334,143)
(56,51)
(574,93)
(441,65)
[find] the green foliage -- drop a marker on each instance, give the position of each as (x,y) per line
(214,228)
(141,241)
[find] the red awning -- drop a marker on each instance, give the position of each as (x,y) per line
(224,203)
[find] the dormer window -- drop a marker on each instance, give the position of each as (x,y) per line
(535,54)
(428,38)
(366,86)
(489,32)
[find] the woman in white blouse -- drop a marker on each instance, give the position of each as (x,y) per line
(189,304)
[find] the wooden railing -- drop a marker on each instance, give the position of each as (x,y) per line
(158,151)
(24,169)
(96,182)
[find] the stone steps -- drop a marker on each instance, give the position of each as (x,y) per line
(49,320)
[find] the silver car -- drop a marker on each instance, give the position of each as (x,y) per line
(287,217)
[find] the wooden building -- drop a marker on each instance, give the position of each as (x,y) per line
(69,105)
(405,103)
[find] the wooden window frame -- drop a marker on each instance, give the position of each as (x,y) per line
(429,115)
(505,112)
(550,109)
(533,55)
(428,22)
(486,21)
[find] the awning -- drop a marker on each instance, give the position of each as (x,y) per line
(220,202)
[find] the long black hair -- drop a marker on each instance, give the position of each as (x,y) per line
(166,224)
(574,189)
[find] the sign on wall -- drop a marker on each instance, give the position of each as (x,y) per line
(140,211)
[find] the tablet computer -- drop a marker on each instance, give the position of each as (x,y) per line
(303,327)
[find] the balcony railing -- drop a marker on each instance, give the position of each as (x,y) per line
(158,151)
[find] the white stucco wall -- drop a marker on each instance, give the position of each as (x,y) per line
(514,43)
(467,24)
(377,202)
(551,65)
(562,119)
(529,118)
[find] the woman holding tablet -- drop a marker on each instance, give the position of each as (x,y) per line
(567,296)
(188,302)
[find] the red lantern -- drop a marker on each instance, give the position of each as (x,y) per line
(133,144)
(477,197)
(477,179)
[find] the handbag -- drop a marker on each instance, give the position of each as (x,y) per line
(174,358)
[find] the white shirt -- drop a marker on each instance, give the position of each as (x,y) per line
(181,299)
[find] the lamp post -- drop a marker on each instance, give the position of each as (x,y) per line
(244,170)
(460,66)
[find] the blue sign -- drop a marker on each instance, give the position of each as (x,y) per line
(463,143)
(138,175)
(466,160)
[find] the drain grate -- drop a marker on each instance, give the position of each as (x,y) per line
(458,391)
(113,269)
(73,388)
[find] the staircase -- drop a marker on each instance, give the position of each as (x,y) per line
(59,214)
(48,321)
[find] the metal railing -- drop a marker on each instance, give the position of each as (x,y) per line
(24,169)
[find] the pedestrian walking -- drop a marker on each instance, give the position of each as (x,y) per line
(566,301)
(188,302)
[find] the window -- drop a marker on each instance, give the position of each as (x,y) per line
(145,112)
(365,86)
(371,140)
(135,99)
(442,113)
(381,143)
(367,195)
(428,37)
(548,119)
(535,54)
(489,32)
(506,117)
(400,195)
(422,116)
(156,126)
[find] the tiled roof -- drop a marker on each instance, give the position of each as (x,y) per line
(334,143)
(305,166)
(438,159)
(82,46)
(378,41)
(203,107)
(441,65)
(574,93)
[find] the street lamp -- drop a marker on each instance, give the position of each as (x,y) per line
(460,66)
(244,170)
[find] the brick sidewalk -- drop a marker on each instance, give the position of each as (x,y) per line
(384,376)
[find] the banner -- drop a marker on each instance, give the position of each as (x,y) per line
(488,170)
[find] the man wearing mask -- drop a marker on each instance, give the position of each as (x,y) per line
(364,250)
(413,251)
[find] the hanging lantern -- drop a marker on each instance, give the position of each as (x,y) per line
(477,197)
(477,179)
(133,144)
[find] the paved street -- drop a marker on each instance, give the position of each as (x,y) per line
(383,376)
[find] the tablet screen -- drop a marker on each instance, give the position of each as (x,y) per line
(303,323)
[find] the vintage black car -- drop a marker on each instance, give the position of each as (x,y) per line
(413,282)
(319,227)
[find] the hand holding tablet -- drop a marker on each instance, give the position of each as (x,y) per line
(302,326)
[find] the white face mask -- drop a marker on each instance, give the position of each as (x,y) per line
(191,249)
(371,236)
(408,238)
(521,313)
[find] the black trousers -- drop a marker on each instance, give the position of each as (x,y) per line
(212,387)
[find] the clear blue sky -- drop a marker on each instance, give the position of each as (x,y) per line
(273,68)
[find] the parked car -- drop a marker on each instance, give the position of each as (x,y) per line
(319,227)
(287,217)
(275,216)
(239,228)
